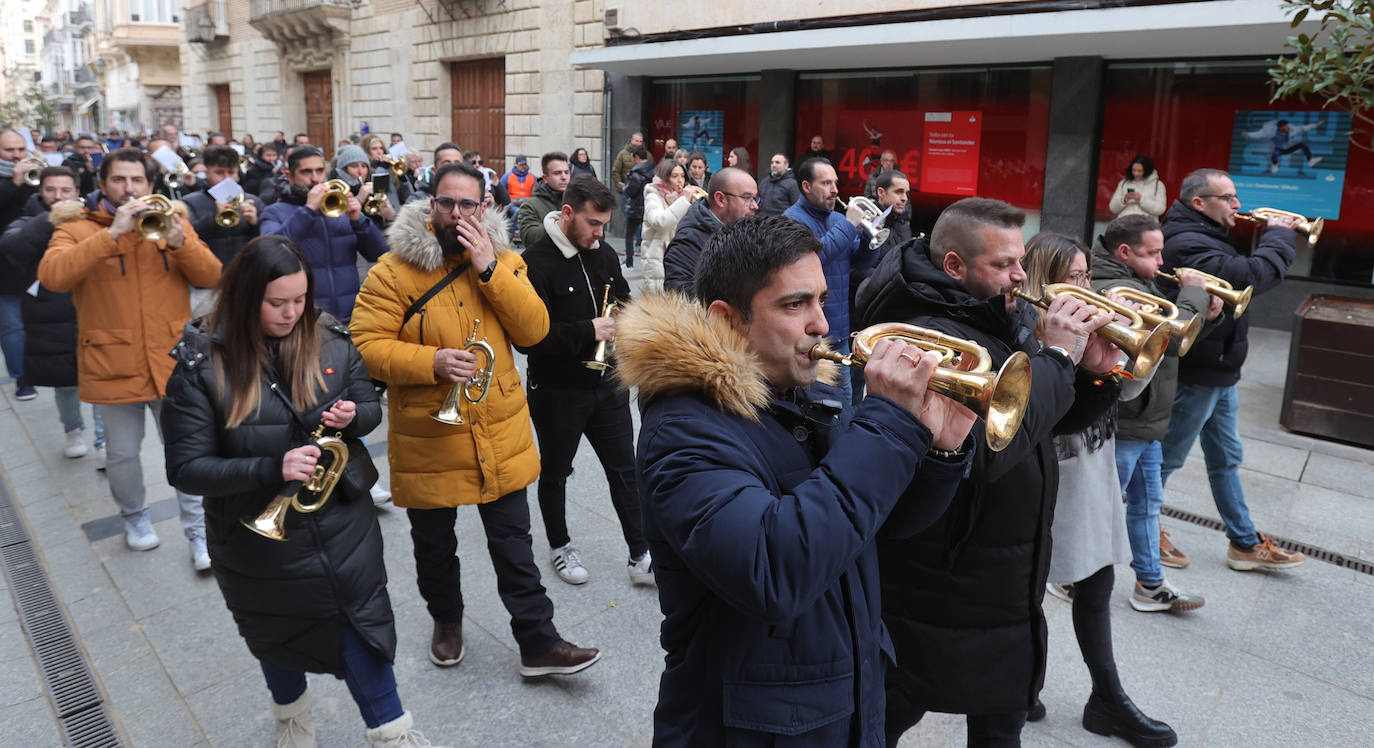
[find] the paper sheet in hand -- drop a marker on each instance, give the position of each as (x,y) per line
(53,159)
(399,150)
(167,158)
(225,191)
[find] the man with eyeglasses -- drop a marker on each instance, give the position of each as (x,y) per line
(332,245)
(841,246)
(450,270)
(1196,235)
(731,195)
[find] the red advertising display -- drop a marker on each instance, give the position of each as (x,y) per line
(952,140)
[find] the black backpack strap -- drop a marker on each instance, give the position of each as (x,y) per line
(433,291)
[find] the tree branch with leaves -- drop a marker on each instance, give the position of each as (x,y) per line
(1334,64)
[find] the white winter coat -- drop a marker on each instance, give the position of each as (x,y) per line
(1153,199)
(660,223)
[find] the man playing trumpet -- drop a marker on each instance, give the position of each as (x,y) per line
(1197,235)
(762,501)
(450,266)
(131,302)
(577,275)
(962,598)
(15,192)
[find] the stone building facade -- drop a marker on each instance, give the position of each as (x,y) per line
(493,75)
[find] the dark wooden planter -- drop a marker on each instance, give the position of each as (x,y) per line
(1329,391)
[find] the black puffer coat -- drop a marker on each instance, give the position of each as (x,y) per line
(49,318)
(1192,240)
(291,600)
(962,598)
(13,199)
(258,179)
(680,257)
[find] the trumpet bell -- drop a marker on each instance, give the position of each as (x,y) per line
(155,224)
(334,202)
(1003,400)
(451,411)
(33,176)
(271,523)
(1184,332)
(398,168)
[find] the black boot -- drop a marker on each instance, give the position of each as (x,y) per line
(1037,712)
(1117,715)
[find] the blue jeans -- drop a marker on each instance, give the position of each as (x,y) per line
(12,335)
(369,677)
(1137,464)
(1210,412)
(69,412)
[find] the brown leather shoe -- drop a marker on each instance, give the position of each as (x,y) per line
(1169,555)
(563,659)
(446,646)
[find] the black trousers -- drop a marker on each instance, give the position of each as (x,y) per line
(507,524)
(984,730)
(561,418)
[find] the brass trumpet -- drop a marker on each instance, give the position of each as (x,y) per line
(397,167)
(155,223)
(965,374)
(1156,312)
(475,389)
(229,216)
(603,347)
(176,177)
(871,213)
(692,189)
(34,175)
(334,201)
(271,523)
(1145,348)
(243,165)
(1218,287)
(1310,226)
(375,202)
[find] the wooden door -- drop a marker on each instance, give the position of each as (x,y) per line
(226,119)
(319,110)
(478,94)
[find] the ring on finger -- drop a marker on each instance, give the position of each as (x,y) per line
(911,358)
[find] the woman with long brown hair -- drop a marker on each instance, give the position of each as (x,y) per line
(1089,525)
(665,203)
(253,380)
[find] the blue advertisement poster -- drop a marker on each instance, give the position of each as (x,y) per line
(1292,161)
(703,130)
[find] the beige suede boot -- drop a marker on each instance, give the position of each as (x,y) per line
(295,723)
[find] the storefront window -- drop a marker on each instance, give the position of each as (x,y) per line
(956,132)
(1287,154)
(712,115)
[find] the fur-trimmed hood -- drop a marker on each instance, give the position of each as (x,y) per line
(666,344)
(412,240)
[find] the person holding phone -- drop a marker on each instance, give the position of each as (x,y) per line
(1140,192)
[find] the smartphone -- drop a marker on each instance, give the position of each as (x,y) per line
(381,182)
(1130,190)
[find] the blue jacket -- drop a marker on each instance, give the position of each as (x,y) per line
(332,246)
(762,524)
(841,247)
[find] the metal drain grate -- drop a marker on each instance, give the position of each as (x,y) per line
(1312,551)
(80,710)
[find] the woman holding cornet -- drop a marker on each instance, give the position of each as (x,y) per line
(252,381)
(1089,526)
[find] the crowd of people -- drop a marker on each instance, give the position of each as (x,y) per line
(837,550)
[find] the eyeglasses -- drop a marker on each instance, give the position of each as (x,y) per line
(1078,276)
(747,198)
(1231,197)
(466,208)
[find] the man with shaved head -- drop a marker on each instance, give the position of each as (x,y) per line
(732,194)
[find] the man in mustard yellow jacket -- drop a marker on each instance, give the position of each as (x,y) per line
(132,302)
(417,346)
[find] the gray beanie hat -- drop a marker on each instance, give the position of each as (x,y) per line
(350,154)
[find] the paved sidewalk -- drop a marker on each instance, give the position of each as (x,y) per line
(1276,658)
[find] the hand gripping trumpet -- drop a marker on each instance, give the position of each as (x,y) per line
(271,523)
(1156,312)
(1310,226)
(475,389)
(964,375)
(155,223)
(872,217)
(1218,287)
(598,361)
(1146,348)
(334,201)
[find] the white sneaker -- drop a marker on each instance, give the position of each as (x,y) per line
(139,534)
(642,570)
(200,554)
(1314,161)
(295,723)
(379,494)
(76,444)
(568,565)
